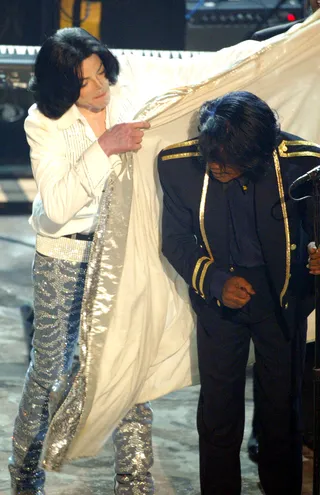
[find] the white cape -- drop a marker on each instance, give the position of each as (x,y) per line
(137,335)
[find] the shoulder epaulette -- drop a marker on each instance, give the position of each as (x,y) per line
(183,144)
(185,149)
(290,149)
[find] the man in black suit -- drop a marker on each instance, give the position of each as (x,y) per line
(231,231)
(253,442)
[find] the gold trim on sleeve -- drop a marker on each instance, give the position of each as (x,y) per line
(196,271)
(182,144)
(180,155)
(202,277)
(286,225)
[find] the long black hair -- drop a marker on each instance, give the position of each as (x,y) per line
(57,76)
(239,130)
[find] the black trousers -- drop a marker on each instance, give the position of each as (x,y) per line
(223,347)
(304,371)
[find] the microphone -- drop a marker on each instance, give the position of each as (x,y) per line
(313,174)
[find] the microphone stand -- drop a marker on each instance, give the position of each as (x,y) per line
(316,369)
(314,177)
(76,13)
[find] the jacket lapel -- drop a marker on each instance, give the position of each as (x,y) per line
(273,227)
(213,219)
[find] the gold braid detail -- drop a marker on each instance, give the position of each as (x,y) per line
(202,277)
(283,149)
(203,231)
(300,153)
(180,155)
(182,144)
(286,225)
(196,271)
(201,213)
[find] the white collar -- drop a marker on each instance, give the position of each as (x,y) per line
(70,117)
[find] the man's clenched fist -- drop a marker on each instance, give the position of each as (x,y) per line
(236,292)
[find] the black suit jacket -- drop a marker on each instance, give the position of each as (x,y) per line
(194,229)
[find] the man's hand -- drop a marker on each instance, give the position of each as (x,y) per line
(314,259)
(123,137)
(236,292)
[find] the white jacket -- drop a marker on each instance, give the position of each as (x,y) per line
(70,169)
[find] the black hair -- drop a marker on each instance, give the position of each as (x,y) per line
(239,130)
(57,76)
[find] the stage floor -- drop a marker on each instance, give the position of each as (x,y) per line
(174,433)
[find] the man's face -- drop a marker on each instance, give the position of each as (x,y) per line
(224,174)
(94,93)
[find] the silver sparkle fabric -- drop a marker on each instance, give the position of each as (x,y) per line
(27,492)
(58,294)
(64,248)
(99,300)
(133,452)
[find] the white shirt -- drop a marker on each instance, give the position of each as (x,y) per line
(70,169)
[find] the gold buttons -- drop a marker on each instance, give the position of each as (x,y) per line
(286,306)
(231,269)
(218,303)
(293,247)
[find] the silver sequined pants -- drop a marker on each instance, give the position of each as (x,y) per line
(58,292)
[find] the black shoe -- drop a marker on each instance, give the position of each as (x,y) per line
(253,447)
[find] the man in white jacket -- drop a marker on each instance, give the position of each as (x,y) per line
(75,138)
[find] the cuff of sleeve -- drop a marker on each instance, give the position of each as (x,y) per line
(93,169)
(217,282)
